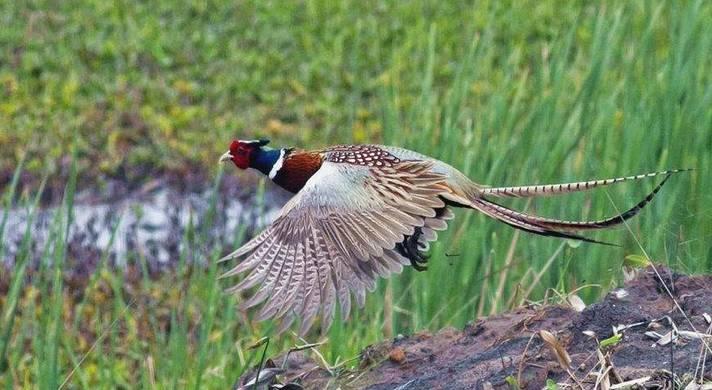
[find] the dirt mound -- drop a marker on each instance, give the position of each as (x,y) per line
(637,333)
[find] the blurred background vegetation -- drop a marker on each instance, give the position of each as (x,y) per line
(510,92)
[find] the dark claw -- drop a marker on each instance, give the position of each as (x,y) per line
(409,249)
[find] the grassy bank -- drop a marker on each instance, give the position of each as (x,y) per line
(510,93)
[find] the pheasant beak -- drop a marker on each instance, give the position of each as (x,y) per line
(225,157)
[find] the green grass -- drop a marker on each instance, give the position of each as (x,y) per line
(510,93)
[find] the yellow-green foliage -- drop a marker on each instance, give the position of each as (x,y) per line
(163,83)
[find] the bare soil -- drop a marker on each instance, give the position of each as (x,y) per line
(508,351)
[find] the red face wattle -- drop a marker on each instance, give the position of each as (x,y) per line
(241,152)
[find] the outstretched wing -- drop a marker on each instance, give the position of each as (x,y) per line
(334,238)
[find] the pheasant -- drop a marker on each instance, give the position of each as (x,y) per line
(364,211)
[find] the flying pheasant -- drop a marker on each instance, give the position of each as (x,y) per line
(364,211)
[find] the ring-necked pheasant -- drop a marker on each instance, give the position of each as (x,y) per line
(363,211)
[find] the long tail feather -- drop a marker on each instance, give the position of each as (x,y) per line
(521,224)
(579,225)
(555,227)
(563,188)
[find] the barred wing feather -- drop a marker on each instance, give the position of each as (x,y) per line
(335,238)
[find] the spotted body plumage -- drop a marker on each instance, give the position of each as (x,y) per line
(364,211)
(365,155)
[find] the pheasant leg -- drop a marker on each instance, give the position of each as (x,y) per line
(409,249)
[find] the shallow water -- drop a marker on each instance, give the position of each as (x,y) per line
(150,226)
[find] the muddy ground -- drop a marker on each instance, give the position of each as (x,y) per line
(509,351)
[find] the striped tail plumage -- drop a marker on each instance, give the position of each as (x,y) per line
(564,188)
(555,227)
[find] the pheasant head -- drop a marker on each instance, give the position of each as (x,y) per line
(250,154)
(288,168)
